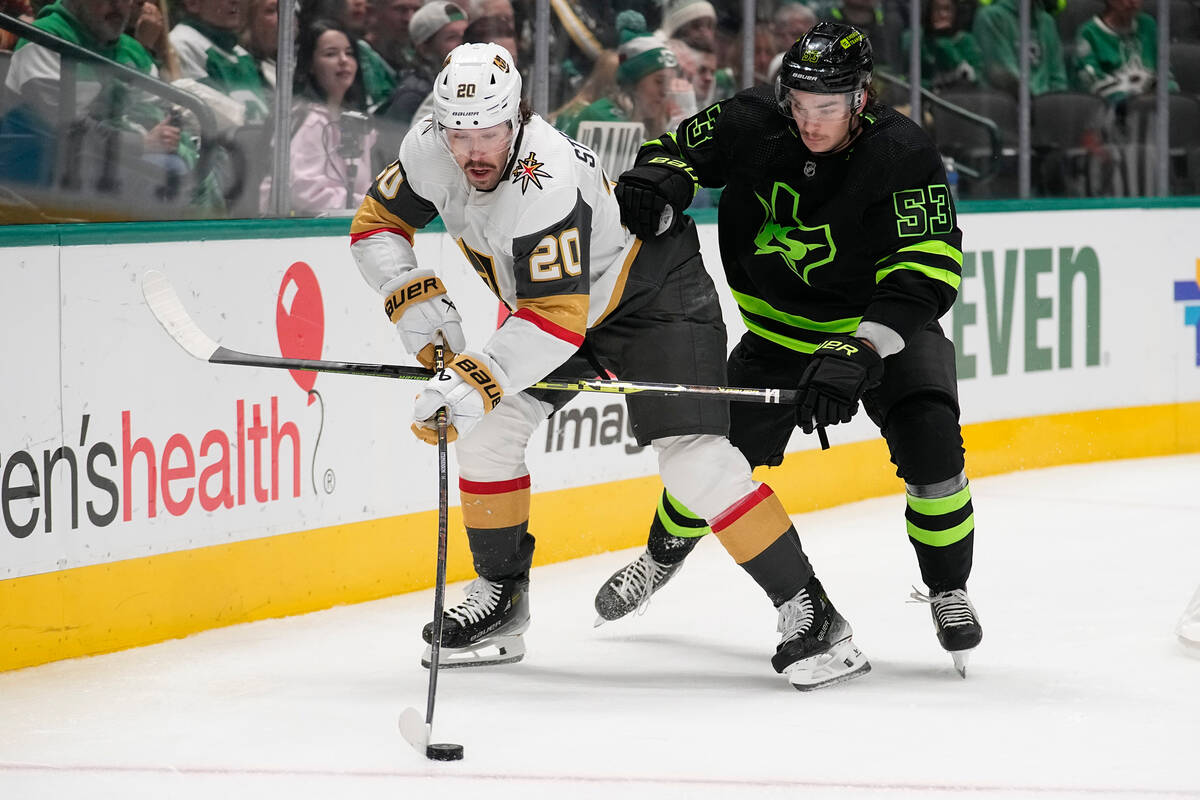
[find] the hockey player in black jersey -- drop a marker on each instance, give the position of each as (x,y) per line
(839,240)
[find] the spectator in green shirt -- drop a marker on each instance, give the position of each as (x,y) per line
(950,56)
(121,140)
(996,30)
(206,41)
(1116,52)
(645,74)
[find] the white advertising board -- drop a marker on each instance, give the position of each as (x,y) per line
(117,444)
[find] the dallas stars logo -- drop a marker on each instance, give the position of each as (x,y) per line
(529,170)
(802,248)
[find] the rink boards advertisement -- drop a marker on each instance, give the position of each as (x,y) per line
(147,494)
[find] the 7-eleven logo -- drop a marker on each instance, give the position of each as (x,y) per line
(1189,292)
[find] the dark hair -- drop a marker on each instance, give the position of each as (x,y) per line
(305,86)
(524,111)
(484,30)
(927,17)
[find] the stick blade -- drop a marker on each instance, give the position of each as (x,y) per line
(170,313)
(414,730)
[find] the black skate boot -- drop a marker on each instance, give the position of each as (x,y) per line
(958,628)
(486,627)
(816,648)
(630,587)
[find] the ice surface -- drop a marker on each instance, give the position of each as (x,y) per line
(1080,688)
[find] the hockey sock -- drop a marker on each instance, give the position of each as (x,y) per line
(674,531)
(758,533)
(496,515)
(942,531)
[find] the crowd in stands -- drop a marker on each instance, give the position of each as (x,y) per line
(364,72)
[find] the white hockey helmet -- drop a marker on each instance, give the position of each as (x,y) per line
(478,87)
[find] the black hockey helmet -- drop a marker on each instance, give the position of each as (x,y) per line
(830,59)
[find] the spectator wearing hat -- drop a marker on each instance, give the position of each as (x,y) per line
(387,32)
(691,28)
(646,74)
(435,30)
(691,21)
(482,30)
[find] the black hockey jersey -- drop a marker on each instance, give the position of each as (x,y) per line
(815,244)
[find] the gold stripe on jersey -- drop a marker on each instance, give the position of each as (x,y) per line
(484,266)
(619,286)
(373,215)
(567,311)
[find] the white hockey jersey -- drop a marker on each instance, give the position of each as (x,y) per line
(548,240)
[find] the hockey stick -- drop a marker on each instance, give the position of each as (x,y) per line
(416,733)
(169,311)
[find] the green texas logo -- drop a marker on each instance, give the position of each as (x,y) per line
(804,248)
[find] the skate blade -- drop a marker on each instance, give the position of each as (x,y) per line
(497,650)
(1190,646)
(840,663)
(961,657)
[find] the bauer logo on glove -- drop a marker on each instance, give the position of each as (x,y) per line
(423,314)
(467,388)
(419,289)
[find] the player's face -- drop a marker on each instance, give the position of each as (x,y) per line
(481,154)
(823,120)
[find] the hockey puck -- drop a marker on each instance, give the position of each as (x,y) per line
(444,751)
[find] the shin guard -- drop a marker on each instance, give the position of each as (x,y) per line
(758,533)
(941,527)
(674,531)
(496,515)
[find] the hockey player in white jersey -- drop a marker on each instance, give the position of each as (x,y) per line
(535,216)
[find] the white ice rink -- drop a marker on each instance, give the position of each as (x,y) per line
(1079,689)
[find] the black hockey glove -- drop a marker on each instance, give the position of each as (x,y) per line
(842,368)
(645,191)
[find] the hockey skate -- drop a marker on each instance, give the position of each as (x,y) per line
(486,628)
(816,648)
(1188,627)
(630,587)
(958,628)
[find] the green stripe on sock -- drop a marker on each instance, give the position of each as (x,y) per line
(672,527)
(942,538)
(933,506)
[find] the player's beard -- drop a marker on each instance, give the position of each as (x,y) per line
(490,179)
